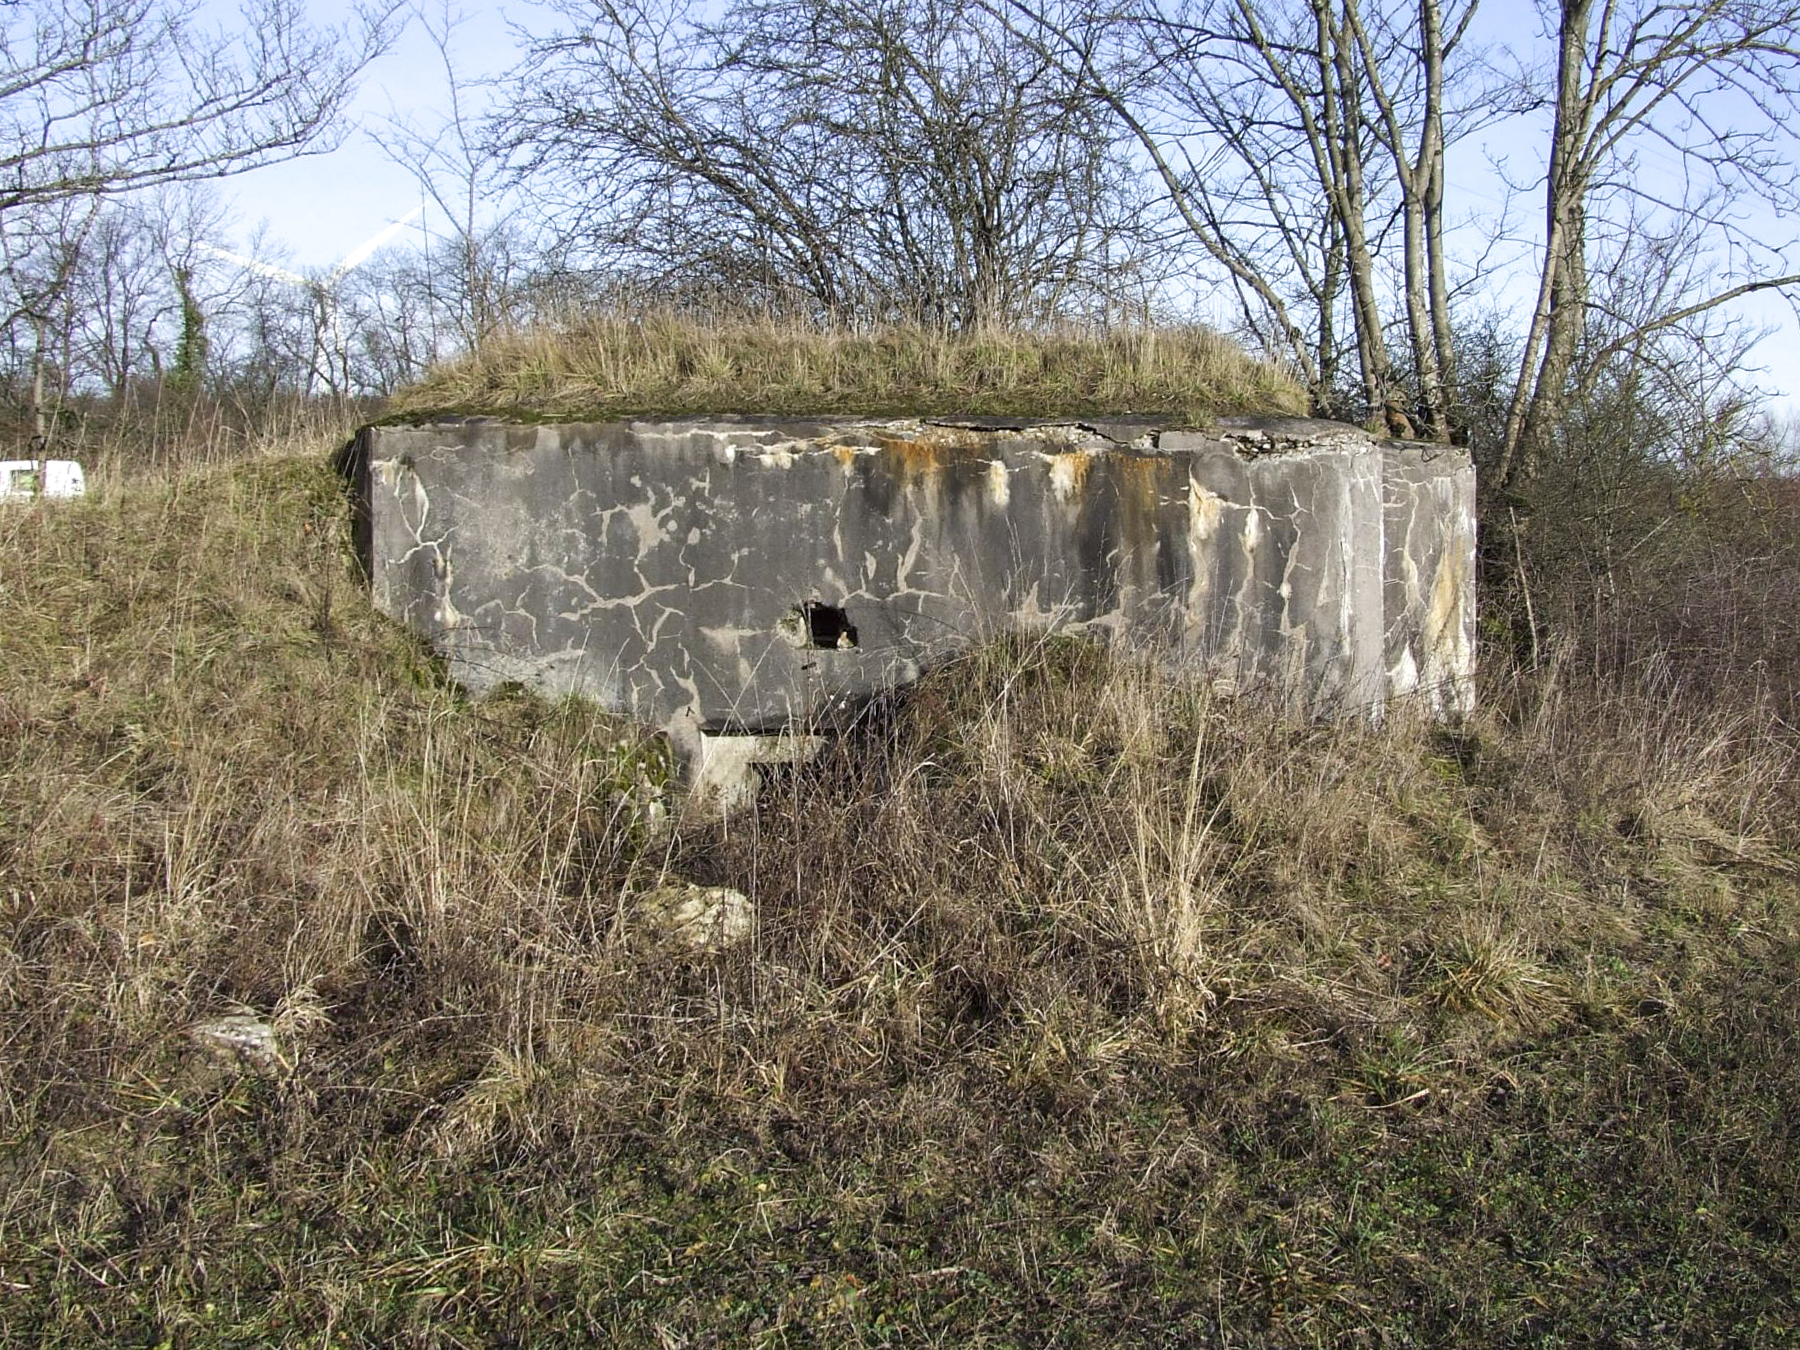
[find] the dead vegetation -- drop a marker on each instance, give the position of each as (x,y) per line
(665,363)
(1081,1006)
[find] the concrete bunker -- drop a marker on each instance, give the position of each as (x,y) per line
(754,577)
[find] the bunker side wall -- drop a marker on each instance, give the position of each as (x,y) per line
(733,576)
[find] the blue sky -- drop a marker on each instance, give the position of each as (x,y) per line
(319,207)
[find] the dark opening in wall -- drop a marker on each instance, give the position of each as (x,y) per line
(826,626)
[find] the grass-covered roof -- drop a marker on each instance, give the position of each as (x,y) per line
(613,366)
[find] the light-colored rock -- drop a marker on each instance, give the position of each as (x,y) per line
(706,918)
(241,1038)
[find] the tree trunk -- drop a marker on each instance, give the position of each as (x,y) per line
(1557,319)
(1431,162)
(1342,108)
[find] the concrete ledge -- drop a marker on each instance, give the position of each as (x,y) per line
(726,773)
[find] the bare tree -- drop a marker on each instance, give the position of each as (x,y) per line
(890,159)
(1291,136)
(1405,56)
(1311,64)
(1714,84)
(392,316)
(104,97)
(126,295)
(266,331)
(475,273)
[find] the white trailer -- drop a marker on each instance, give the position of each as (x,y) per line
(21,478)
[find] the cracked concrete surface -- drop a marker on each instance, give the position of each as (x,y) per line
(742,575)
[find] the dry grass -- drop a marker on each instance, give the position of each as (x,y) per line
(1083,1007)
(159,433)
(611,365)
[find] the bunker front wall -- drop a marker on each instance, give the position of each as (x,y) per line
(739,575)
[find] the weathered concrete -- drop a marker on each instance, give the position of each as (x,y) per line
(728,770)
(741,575)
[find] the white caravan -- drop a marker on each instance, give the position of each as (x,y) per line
(60,478)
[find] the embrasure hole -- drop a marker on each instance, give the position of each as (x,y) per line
(826,626)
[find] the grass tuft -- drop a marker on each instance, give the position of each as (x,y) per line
(1489,971)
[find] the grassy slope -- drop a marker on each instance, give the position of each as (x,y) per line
(665,364)
(1082,1009)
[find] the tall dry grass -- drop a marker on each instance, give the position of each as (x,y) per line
(157,431)
(1068,982)
(668,363)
